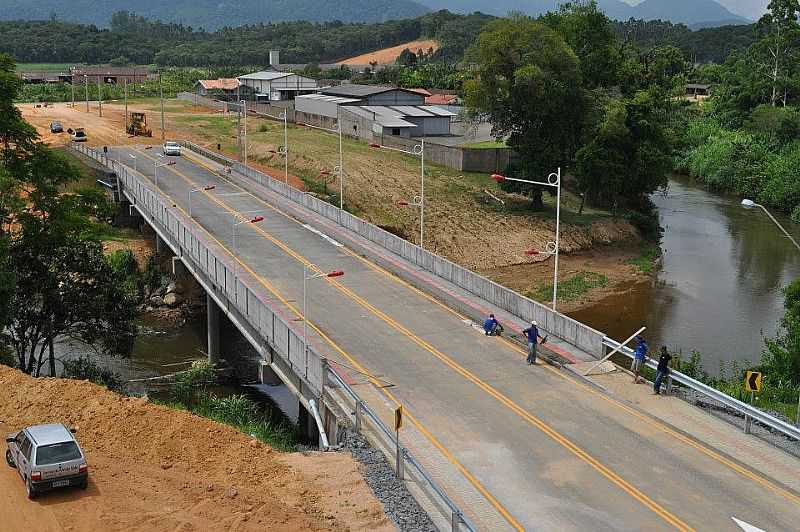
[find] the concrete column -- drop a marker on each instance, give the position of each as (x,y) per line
(307,424)
(159,244)
(212,312)
(267,375)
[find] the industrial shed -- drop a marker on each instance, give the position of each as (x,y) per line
(271,86)
(376,94)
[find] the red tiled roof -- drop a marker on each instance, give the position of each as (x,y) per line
(219,84)
(421,91)
(441,99)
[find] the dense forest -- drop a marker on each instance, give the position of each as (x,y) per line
(138,40)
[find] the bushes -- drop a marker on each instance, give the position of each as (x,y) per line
(85,369)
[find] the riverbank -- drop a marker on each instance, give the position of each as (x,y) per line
(162,469)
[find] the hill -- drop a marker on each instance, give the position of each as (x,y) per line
(212,14)
(690,12)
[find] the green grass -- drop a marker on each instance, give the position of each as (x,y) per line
(645,262)
(572,288)
(486,145)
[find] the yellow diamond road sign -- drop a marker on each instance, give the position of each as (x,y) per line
(752,381)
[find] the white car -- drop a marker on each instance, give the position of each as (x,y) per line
(172,148)
(47,457)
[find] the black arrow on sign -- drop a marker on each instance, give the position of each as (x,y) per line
(753,381)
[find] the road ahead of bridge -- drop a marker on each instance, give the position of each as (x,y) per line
(517,447)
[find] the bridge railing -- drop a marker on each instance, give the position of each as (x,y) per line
(750,411)
(564,327)
(230,283)
(362,414)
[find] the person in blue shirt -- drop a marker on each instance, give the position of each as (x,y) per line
(639,356)
(491,326)
(532,335)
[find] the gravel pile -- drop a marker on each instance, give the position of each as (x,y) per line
(399,504)
(778,439)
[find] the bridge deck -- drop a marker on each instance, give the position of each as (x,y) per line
(515,446)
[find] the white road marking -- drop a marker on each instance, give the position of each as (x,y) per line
(323,235)
(747,527)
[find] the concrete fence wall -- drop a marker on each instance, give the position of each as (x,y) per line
(568,329)
(463,159)
(241,293)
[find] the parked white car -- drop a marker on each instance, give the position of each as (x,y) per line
(172,148)
(47,457)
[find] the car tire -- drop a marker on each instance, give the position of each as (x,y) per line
(31,491)
(84,484)
(10,459)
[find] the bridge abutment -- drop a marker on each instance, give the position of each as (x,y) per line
(212,323)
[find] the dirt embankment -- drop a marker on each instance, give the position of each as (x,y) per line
(388,56)
(154,469)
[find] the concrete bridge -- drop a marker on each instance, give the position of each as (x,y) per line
(500,445)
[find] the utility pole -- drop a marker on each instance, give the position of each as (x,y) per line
(99,96)
(72,87)
(86,87)
(126,105)
(161,91)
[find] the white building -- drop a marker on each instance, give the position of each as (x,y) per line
(271,86)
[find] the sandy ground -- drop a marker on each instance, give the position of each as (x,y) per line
(153,469)
(463,223)
(388,56)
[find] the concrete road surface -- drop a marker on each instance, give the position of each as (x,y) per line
(518,447)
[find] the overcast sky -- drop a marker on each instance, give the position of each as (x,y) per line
(752,9)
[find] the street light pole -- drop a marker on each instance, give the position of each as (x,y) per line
(199,189)
(99,96)
(156,166)
(285,116)
(86,89)
(243,105)
(749,204)
(126,105)
(253,220)
(135,162)
(161,95)
(553,180)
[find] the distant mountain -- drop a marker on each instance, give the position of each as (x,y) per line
(213,14)
(690,12)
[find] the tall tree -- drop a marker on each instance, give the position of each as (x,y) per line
(529,86)
(780,45)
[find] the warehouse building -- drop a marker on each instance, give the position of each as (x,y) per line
(376,94)
(270,86)
(223,88)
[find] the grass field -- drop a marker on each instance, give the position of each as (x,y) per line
(486,145)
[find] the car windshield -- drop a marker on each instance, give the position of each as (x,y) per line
(172,145)
(57,453)
(80,134)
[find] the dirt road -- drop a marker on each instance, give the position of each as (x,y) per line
(388,56)
(153,469)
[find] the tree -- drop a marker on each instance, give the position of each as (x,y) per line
(629,156)
(55,281)
(778,48)
(782,356)
(407,58)
(529,86)
(588,31)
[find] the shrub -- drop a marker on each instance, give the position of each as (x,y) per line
(85,369)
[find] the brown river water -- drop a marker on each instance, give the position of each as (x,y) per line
(719,288)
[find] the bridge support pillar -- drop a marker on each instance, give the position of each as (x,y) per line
(212,311)
(159,244)
(307,424)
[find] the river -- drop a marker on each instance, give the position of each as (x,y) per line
(719,290)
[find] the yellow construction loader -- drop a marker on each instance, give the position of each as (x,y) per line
(137,126)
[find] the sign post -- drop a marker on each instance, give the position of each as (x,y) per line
(398,423)
(753,381)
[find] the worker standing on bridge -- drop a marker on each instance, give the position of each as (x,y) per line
(662,370)
(639,356)
(532,334)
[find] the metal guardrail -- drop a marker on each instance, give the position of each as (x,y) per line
(723,398)
(456,517)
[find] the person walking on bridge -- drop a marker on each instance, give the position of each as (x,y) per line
(532,335)
(662,370)
(639,356)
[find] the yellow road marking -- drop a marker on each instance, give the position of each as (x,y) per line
(652,422)
(535,421)
(379,385)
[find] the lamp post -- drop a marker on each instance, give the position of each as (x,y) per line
(253,220)
(306,278)
(157,165)
(553,180)
(750,204)
(419,201)
(283,150)
(135,162)
(243,107)
(199,189)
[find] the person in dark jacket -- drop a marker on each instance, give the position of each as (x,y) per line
(639,357)
(491,326)
(532,335)
(662,370)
